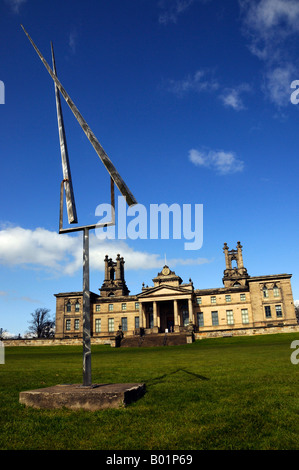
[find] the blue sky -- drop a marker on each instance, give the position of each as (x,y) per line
(191,101)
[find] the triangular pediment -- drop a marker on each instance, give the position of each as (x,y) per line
(164,290)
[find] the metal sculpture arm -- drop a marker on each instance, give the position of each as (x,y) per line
(66,170)
(130,199)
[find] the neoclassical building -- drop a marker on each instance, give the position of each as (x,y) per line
(170,305)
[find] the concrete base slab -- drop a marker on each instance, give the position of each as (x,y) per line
(76,396)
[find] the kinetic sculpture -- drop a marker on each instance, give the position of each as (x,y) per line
(67,187)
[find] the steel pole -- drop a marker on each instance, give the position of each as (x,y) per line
(86,312)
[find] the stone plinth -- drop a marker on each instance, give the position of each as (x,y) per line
(76,396)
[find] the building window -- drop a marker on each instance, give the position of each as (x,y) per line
(268,311)
(77,307)
(245,318)
(151,320)
(110,325)
(98,308)
(136,322)
(98,325)
(228,298)
(213,299)
(278,311)
(185,315)
(68,307)
(229,317)
(68,325)
(110,307)
(198,300)
(265,292)
(275,291)
(77,324)
(215,320)
(243,297)
(137,306)
(124,324)
(200,321)
(124,306)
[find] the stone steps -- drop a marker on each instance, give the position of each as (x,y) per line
(153,340)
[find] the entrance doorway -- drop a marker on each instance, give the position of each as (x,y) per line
(170,324)
(166,316)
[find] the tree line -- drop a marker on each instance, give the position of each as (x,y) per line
(41,325)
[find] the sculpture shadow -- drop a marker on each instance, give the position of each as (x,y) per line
(161,377)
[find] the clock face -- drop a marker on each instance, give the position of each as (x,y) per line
(165,271)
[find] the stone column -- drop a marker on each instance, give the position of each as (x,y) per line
(118,269)
(155,329)
(106,268)
(227,262)
(158,316)
(140,315)
(176,316)
(240,256)
(142,319)
(190,309)
(122,268)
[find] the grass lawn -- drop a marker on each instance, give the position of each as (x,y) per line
(222,393)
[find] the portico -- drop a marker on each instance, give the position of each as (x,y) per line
(168,305)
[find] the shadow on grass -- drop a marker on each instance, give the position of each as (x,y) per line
(161,377)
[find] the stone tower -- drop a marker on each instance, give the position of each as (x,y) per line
(114,283)
(234,276)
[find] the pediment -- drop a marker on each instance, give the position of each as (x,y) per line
(164,290)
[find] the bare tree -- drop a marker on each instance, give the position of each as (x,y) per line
(42,325)
(2,333)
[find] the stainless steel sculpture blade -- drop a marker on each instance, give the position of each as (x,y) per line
(66,170)
(130,199)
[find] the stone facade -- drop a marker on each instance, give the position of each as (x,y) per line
(244,303)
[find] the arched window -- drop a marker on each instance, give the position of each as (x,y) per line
(68,306)
(265,292)
(234,263)
(275,291)
(77,306)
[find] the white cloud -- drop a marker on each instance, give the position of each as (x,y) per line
(272,28)
(15,4)
(11,295)
(199,82)
(277,84)
(73,41)
(171,9)
(222,162)
(39,247)
(202,81)
(231,98)
(268,17)
(63,254)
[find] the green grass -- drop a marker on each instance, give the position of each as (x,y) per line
(224,393)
